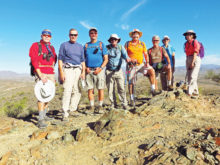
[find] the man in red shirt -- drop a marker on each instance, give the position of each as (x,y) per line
(193,62)
(43,58)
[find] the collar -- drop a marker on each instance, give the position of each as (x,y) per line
(191,41)
(72,42)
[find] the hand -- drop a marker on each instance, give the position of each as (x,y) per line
(128,60)
(134,61)
(62,78)
(192,65)
(82,76)
(88,70)
(43,79)
(97,71)
(147,65)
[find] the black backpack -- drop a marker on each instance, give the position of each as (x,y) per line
(32,72)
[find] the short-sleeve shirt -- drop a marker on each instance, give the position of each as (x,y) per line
(94,54)
(115,56)
(136,51)
(155,55)
(192,47)
(72,53)
(170,50)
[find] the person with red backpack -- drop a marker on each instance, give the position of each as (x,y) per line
(194,52)
(157,55)
(43,59)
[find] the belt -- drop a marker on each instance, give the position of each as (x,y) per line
(113,70)
(93,69)
(51,66)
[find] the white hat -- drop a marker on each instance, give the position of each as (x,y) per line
(114,36)
(135,30)
(190,32)
(166,37)
(93,28)
(44,92)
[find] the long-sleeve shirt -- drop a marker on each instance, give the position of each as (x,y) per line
(115,56)
(39,62)
(191,48)
(72,53)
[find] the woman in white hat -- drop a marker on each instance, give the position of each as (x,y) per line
(193,62)
(114,73)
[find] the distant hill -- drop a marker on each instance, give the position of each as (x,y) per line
(10,75)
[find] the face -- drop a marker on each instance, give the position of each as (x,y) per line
(114,41)
(93,35)
(155,42)
(166,41)
(135,36)
(73,35)
(46,38)
(189,36)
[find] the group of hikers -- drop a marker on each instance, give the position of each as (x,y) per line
(99,65)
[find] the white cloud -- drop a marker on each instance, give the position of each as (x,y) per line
(122,26)
(85,24)
(126,14)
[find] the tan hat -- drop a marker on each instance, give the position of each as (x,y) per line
(190,32)
(166,37)
(135,30)
(114,36)
(156,37)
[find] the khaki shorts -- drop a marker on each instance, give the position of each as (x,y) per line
(48,76)
(95,80)
(132,72)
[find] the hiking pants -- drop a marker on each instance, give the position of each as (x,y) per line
(192,74)
(71,94)
(113,78)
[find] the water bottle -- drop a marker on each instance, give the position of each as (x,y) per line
(83,83)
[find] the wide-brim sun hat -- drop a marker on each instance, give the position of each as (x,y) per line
(44,92)
(135,30)
(114,36)
(190,32)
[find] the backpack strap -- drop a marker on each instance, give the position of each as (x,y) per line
(126,45)
(108,47)
(39,49)
(161,51)
(100,46)
(86,46)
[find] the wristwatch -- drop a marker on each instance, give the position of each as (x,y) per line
(102,68)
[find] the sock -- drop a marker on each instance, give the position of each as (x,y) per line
(169,82)
(91,103)
(41,115)
(152,87)
(100,103)
(132,97)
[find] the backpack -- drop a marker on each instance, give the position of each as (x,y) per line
(32,72)
(100,46)
(201,53)
(150,50)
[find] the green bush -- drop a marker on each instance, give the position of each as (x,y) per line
(13,109)
(210,74)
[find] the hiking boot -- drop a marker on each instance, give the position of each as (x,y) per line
(98,110)
(41,124)
(47,118)
(170,88)
(72,113)
(91,108)
(132,103)
(125,107)
(155,92)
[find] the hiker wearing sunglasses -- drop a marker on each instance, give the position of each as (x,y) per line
(114,73)
(96,58)
(193,62)
(156,56)
(171,53)
(71,63)
(43,59)
(136,49)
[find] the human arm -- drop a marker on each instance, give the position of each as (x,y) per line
(105,61)
(125,54)
(173,59)
(196,48)
(167,58)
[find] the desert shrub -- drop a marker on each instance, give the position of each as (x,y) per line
(13,109)
(210,74)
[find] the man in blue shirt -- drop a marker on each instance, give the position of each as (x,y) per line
(114,73)
(96,57)
(171,53)
(71,69)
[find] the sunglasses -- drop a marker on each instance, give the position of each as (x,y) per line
(93,33)
(45,35)
(114,39)
(155,40)
(73,35)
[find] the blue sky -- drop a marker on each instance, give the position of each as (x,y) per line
(22,22)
